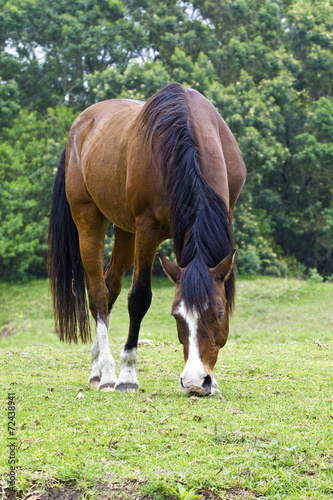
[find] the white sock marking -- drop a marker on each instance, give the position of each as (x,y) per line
(94,359)
(128,360)
(106,363)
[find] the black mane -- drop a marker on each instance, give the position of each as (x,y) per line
(200,221)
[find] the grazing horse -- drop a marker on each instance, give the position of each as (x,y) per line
(169,167)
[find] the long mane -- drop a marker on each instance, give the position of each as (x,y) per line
(200,222)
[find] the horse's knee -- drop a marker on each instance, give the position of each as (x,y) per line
(139,300)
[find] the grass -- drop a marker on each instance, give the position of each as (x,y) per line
(268,435)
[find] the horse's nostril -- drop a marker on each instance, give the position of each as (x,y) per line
(181,383)
(207,383)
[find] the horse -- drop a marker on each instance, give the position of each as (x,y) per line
(166,168)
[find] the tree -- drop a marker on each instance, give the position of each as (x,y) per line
(29,153)
(265,64)
(49,47)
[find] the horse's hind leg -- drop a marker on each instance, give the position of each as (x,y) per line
(121,260)
(139,299)
(94,378)
(92,226)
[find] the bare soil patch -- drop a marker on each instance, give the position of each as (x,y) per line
(126,491)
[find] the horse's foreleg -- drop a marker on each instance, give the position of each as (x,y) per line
(139,300)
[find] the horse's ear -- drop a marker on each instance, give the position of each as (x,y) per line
(172,270)
(223,269)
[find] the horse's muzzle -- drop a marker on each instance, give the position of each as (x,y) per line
(202,387)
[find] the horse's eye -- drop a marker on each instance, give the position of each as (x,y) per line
(220,314)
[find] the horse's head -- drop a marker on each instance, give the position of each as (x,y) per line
(201,333)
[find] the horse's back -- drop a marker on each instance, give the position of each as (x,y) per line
(109,162)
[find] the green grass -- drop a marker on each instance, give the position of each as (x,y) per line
(268,435)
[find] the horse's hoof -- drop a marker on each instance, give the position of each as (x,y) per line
(94,381)
(215,390)
(127,387)
(106,387)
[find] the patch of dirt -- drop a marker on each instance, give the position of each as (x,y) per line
(126,491)
(58,494)
(50,494)
(240,494)
(208,495)
(115,492)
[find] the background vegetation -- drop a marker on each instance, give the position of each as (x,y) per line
(267,65)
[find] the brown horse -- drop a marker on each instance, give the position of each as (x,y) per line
(169,167)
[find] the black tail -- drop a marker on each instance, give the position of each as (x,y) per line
(65,269)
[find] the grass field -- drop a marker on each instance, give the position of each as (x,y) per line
(267,435)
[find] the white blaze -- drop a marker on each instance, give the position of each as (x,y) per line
(194,370)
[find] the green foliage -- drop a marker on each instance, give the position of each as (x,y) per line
(156,489)
(28,162)
(183,494)
(254,242)
(9,95)
(266,65)
(138,81)
(54,45)
(315,276)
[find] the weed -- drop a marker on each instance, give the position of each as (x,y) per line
(183,494)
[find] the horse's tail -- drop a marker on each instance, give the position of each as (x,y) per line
(65,269)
